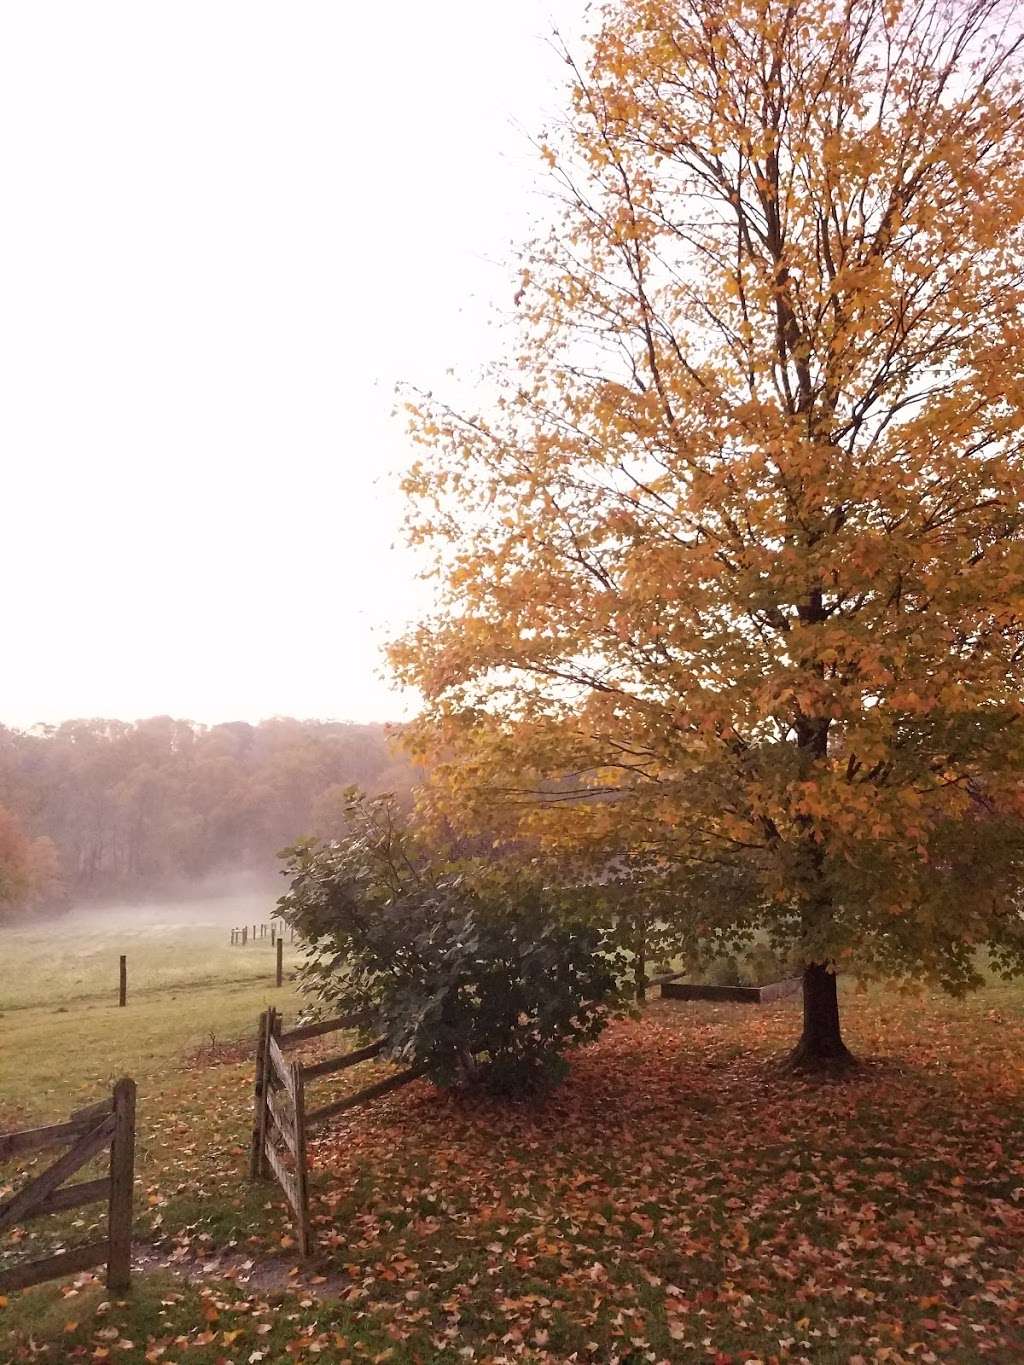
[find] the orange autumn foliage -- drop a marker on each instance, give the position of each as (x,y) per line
(732,563)
(28,867)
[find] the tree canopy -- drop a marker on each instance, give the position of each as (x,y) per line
(733,563)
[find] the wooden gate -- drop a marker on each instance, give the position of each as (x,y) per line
(281,1119)
(110,1123)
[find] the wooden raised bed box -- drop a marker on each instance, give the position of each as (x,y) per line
(750,995)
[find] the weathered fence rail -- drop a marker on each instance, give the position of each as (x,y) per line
(281,1119)
(109,1123)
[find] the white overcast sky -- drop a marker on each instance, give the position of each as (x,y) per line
(228,228)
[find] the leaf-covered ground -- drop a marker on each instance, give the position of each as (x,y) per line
(680,1198)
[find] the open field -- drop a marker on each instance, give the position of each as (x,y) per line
(52,1059)
(679,1198)
(75,957)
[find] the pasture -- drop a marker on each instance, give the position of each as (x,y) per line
(72,959)
(62,1035)
(678,1199)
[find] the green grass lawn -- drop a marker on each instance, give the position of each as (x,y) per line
(679,1199)
(62,961)
(52,1060)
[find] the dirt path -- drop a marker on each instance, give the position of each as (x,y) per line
(268,1274)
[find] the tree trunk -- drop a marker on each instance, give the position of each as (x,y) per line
(821,1045)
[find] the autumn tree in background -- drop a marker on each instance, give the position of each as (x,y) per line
(733,556)
(28,867)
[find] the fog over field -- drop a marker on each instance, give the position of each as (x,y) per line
(70,959)
(223,901)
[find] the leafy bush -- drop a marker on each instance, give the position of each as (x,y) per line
(753,964)
(465,970)
(724,971)
(764,965)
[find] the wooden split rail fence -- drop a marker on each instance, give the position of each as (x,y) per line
(251,933)
(110,1123)
(281,1119)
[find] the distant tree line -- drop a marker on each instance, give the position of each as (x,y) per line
(93,808)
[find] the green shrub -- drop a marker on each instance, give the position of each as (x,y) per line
(724,971)
(752,964)
(763,965)
(469,973)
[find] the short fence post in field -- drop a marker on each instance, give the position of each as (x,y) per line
(245,934)
(122,1181)
(280,961)
(273,933)
(122,991)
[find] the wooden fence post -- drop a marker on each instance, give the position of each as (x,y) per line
(122,990)
(305,1231)
(280,961)
(122,1181)
(256,1160)
(245,934)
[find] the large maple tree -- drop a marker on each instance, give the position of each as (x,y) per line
(732,560)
